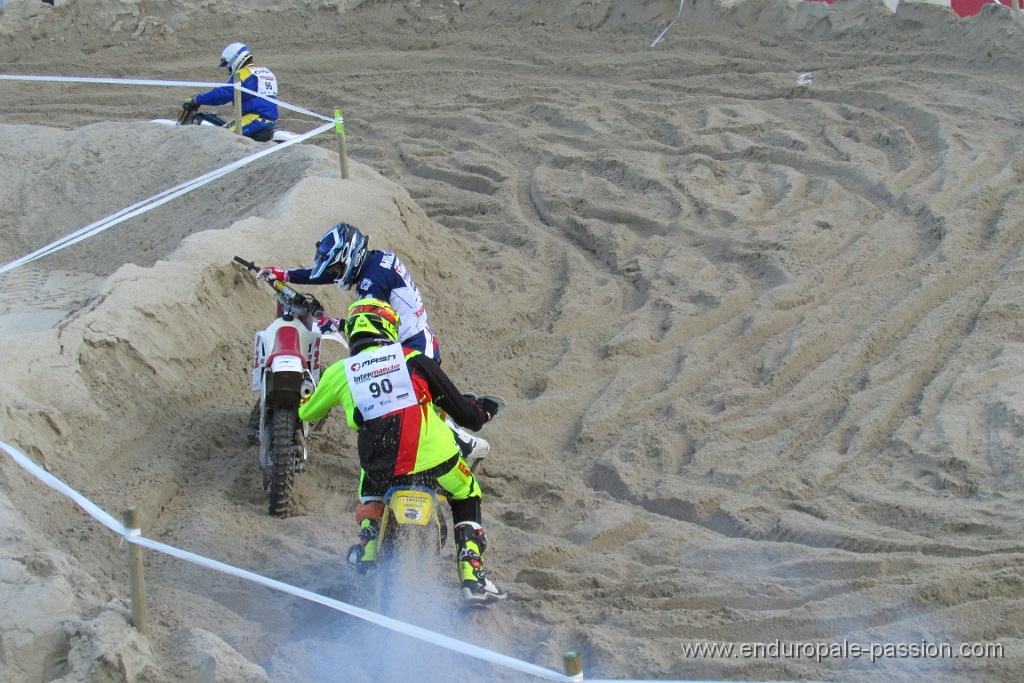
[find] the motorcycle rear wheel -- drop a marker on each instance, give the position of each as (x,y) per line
(409,568)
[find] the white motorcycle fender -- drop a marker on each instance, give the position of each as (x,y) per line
(259,353)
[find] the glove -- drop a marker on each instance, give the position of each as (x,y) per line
(190,104)
(273,274)
(488,406)
(328,325)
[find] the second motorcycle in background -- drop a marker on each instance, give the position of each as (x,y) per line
(285,369)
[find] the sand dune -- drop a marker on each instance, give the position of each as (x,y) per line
(761,341)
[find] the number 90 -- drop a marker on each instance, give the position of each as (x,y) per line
(382,387)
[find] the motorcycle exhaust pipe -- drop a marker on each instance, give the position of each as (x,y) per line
(307,388)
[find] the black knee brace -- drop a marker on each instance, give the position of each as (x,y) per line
(466,510)
(469,531)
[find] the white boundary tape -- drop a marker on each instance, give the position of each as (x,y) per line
(135,536)
(154,201)
(662,34)
(167,195)
(133,81)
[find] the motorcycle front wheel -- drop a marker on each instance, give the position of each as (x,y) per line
(283,444)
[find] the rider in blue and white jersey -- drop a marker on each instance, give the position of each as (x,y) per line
(259,112)
(342,258)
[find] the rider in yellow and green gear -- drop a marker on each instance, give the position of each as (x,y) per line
(388,393)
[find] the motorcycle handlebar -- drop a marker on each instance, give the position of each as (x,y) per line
(307,300)
(248,264)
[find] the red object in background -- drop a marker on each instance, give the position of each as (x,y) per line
(964,8)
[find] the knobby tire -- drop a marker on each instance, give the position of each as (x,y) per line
(283,444)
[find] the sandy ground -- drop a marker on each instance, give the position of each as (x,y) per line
(762,342)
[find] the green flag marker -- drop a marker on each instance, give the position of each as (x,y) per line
(339,122)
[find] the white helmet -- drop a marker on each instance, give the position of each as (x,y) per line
(234,56)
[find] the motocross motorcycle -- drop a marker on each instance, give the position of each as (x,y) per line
(412,531)
(188,116)
(285,369)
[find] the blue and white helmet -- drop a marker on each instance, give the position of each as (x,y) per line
(234,56)
(340,252)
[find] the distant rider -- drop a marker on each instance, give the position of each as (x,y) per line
(342,258)
(259,113)
(402,440)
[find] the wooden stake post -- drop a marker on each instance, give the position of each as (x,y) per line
(238,102)
(140,615)
(339,128)
(573,664)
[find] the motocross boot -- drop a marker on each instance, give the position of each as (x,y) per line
(474,448)
(470,543)
(363,555)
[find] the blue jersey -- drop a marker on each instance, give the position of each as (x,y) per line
(256,78)
(384,276)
